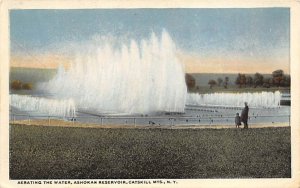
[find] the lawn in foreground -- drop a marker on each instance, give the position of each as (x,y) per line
(38,152)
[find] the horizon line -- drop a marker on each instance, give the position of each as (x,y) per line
(186,72)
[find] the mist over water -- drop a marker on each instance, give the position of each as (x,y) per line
(261,99)
(51,107)
(134,77)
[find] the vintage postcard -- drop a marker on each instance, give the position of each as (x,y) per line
(143,94)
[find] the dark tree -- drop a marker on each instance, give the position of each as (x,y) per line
(278,78)
(16,85)
(226,82)
(249,81)
(190,81)
(237,80)
(27,86)
(258,79)
(267,82)
(287,81)
(212,83)
(278,73)
(241,80)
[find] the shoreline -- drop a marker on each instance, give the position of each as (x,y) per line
(62,123)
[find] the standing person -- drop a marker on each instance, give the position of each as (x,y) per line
(237,121)
(244,116)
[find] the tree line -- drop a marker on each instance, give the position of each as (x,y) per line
(18,85)
(277,79)
(220,82)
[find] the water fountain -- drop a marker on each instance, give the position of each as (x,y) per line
(133,77)
(51,107)
(136,78)
(258,99)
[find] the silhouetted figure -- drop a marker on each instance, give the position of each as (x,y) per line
(244,116)
(237,120)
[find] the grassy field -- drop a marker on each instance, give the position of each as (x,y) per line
(38,152)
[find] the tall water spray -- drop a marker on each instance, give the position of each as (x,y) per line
(136,77)
(111,77)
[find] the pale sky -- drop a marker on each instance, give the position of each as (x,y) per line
(209,40)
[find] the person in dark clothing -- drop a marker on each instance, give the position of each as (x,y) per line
(237,121)
(244,116)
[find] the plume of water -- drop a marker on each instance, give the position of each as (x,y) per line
(262,99)
(139,77)
(52,107)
